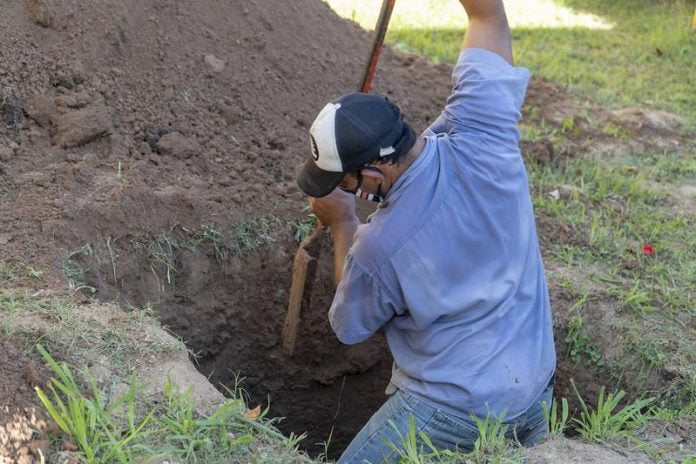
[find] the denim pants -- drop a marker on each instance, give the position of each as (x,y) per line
(446,431)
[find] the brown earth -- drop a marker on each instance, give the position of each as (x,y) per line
(22,421)
(148,152)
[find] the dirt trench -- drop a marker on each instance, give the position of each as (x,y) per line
(228,303)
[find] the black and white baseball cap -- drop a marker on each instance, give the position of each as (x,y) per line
(349,133)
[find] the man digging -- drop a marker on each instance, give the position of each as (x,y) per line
(449,265)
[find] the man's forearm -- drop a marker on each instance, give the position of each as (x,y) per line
(342,234)
(488,27)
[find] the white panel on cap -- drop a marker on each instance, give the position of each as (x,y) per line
(324,132)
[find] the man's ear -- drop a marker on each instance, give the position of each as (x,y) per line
(373,173)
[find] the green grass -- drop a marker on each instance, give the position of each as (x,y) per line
(557,420)
(134,428)
(95,334)
(615,207)
(604,421)
(618,66)
(89,419)
(73,270)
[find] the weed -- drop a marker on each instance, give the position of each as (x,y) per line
(89,420)
(602,423)
(568,125)
(120,177)
(305,226)
(216,237)
(326,445)
(161,255)
(633,298)
(73,271)
(193,438)
(415,448)
(8,271)
(245,237)
(34,273)
(579,344)
(557,425)
(251,234)
(491,444)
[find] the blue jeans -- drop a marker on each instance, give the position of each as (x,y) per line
(446,431)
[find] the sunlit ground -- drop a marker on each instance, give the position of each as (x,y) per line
(414,14)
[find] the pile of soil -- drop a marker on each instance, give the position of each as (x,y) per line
(148,153)
(128,121)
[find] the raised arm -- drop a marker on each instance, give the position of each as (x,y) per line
(488,27)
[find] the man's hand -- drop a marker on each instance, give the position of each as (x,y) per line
(337,211)
(336,208)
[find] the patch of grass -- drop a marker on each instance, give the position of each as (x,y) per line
(95,334)
(613,65)
(89,419)
(613,213)
(189,437)
(304,227)
(491,446)
(557,420)
(34,273)
(131,427)
(604,422)
(73,271)
(161,256)
(415,448)
(8,271)
(579,345)
(244,237)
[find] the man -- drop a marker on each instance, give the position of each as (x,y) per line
(449,265)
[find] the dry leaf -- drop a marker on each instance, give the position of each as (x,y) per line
(253,414)
(68,446)
(555,194)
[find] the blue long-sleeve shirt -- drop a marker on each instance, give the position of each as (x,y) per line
(450,264)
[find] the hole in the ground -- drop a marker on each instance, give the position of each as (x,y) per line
(226,292)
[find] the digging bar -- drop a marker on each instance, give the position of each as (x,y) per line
(304,266)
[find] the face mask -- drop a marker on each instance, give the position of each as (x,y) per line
(368,196)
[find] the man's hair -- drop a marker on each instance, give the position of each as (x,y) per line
(409,139)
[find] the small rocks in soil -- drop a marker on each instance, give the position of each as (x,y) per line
(178,146)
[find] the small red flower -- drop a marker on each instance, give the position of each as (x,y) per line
(648,249)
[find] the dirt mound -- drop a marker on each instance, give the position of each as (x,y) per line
(149,153)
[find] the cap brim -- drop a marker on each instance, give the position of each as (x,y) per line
(316,182)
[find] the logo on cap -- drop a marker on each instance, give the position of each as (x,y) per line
(315,149)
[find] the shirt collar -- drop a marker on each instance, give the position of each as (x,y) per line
(409,174)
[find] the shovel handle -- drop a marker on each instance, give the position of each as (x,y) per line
(307,255)
(378,40)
